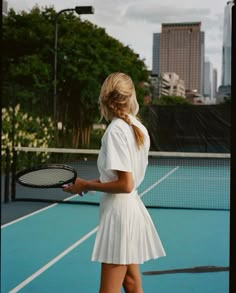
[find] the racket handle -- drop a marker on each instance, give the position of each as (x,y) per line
(65,185)
(82,193)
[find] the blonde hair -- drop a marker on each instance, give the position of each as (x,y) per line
(118,99)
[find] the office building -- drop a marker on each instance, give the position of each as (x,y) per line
(171,85)
(226,51)
(223,94)
(181,50)
(4,7)
(208,80)
(156,54)
(215,80)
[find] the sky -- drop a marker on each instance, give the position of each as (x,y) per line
(133,22)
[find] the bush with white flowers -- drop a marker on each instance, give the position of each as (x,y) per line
(28,130)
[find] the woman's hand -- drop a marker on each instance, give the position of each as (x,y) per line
(79,187)
(123,184)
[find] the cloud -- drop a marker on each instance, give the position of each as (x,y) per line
(18,5)
(158,14)
(154,15)
(133,22)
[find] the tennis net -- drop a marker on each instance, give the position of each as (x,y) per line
(173,179)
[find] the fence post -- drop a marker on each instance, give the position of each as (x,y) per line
(7,176)
(13,178)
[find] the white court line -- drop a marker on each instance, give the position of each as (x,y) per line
(69,249)
(52,262)
(34,213)
(159,181)
(48,207)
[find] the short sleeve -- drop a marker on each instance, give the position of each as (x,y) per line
(117,152)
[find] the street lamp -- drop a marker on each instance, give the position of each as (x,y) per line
(79,10)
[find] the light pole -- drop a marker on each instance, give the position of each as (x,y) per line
(79,10)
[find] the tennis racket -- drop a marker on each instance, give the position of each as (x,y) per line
(47,176)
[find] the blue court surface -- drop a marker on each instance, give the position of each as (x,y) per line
(49,250)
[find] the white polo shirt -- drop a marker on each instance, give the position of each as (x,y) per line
(119,151)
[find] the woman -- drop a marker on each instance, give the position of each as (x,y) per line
(126,235)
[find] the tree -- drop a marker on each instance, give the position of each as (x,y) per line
(172,100)
(86,55)
(27,61)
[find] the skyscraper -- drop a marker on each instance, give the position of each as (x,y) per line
(215,82)
(226,52)
(4,7)
(208,80)
(181,50)
(156,54)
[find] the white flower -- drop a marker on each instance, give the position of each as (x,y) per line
(17,108)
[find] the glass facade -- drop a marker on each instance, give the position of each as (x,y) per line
(180,48)
(226,52)
(156,54)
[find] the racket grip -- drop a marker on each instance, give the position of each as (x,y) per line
(65,185)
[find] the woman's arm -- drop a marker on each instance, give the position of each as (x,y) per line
(123,184)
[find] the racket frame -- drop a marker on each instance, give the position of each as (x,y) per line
(45,167)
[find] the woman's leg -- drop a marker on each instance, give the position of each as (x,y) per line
(133,281)
(112,277)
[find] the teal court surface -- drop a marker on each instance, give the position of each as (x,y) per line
(49,250)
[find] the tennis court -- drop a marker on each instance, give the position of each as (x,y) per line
(189,201)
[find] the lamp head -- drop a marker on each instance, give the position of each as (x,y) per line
(84,9)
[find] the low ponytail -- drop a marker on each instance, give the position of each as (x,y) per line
(139,137)
(138,134)
(118,99)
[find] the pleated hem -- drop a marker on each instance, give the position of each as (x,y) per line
(126,233)
(118,262)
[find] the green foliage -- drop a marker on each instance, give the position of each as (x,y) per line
(172,100)
(86,55)
(22,129)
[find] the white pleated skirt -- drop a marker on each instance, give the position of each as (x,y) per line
(126,233)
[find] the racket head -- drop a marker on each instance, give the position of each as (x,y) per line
(47,176)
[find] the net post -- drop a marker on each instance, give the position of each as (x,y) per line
(13,178)
(7,176)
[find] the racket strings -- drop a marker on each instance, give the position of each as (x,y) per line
(47,177)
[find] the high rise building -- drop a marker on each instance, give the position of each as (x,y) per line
(226,52)
(215,78)
(4,7)
(171,85)
(208,80)
(156,54)
(181,49)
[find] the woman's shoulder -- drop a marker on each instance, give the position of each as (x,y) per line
(116,126)
(138,123)
(119,125)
